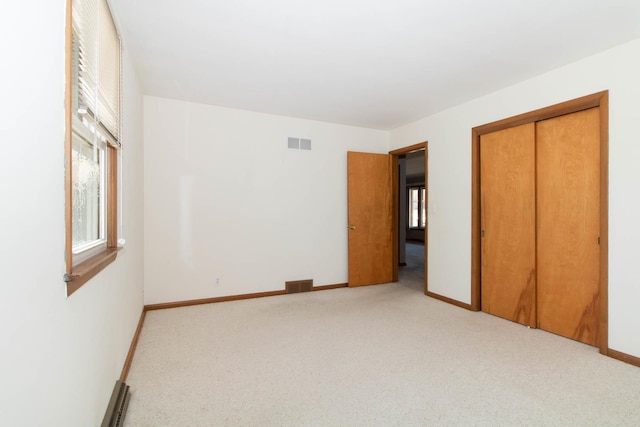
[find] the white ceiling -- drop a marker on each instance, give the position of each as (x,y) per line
(372,63)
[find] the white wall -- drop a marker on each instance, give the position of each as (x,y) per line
(225,197)
(60,356)
(449,136)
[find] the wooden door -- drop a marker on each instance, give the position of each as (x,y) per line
(507,180)
(370,219)
(568,216)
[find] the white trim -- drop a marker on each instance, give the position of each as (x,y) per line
(87,250)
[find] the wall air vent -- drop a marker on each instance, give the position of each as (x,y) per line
(297,286)
(298,143)
(305,144)
(294,143)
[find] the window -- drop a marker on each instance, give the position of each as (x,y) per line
(92,140)
(417,212)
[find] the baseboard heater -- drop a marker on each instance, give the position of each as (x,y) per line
(114,417)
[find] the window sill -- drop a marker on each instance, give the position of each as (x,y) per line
(84,271)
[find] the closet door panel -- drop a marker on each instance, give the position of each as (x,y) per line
(568,224)
(508,223)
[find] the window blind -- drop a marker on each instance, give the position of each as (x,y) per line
(96,48)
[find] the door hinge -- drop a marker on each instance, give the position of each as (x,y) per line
(598,240)
(482,233)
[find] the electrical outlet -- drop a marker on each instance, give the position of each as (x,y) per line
(217,280)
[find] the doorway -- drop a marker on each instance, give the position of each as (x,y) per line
(412,212)
(410,206)
(373,198)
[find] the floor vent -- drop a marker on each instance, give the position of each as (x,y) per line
(117,405)
(296,286)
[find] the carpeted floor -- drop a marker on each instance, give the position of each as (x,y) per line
(412,274)
(382,355)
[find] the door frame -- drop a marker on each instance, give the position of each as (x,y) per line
(395,155)
(599,99)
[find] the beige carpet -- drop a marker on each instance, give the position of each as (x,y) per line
(381,355)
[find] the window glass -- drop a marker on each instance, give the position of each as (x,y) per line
(423,216)
(413,207)
(417,207)
(87,209)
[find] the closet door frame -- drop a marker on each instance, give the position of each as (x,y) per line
(599,99)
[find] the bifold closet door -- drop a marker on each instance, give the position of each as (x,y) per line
(508,224)
(568,224)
